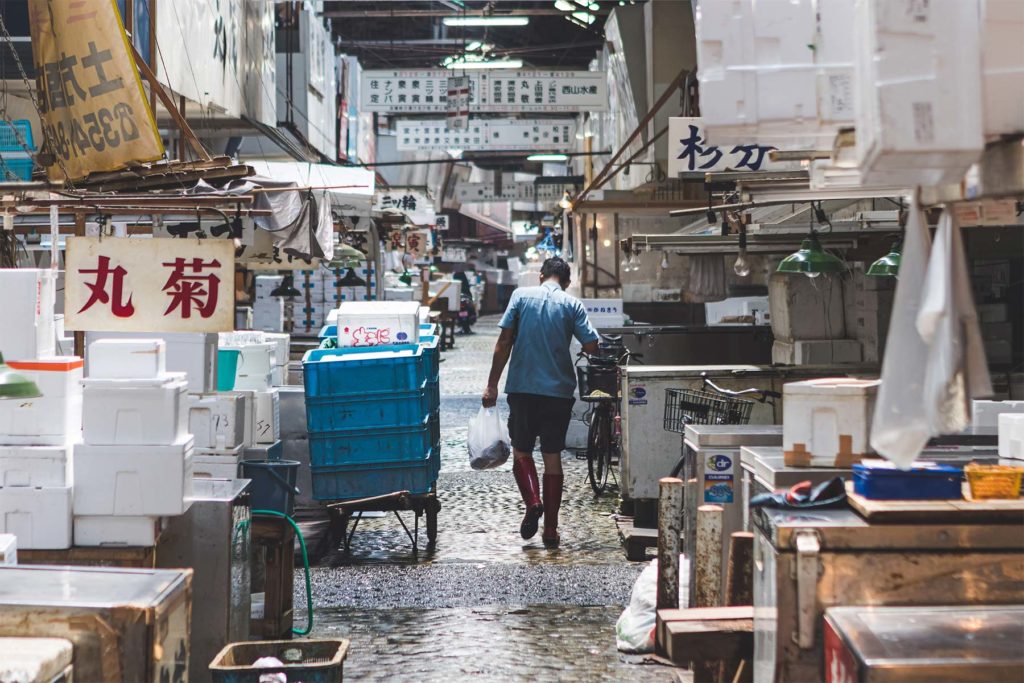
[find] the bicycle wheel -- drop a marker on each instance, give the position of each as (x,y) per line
(599,449)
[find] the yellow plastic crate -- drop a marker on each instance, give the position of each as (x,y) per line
(993,481)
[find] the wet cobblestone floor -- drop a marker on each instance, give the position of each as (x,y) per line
(483,604)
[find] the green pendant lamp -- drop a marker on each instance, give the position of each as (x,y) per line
(811,260)
(406,277)
(888,265)
(14,384)
(345,256)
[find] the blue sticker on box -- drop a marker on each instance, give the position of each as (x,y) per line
(718,488)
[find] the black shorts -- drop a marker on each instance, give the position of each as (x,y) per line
(531,416)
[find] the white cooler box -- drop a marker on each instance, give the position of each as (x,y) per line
(267,427)
(117,531)
(53,419)
(249,417)
(216,421)
(135,411)
(827,421)
(35,466)
(27,312)
(254,365)
(127,359)
(128,481)
(378,323)
(1011,436)
(194,353)
(216,464)
(39,517)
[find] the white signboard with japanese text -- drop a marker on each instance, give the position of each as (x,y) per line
(510,192)
(458,102)
(415,204)
(426,91)
(492,134)
(118,284)
(441,222)
(689,152)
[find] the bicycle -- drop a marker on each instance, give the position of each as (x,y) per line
(604,433)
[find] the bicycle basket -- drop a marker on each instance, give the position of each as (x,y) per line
(693,407)
(597,378)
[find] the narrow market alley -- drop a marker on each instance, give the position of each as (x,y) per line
(484,603)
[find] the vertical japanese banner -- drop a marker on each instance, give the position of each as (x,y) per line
(126,284)
(458,102)
(94,111)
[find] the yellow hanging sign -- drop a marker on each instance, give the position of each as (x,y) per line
(94,111)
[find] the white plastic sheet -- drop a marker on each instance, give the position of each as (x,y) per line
(488,440)
(634,631)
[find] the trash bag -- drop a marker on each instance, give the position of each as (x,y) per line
(634,631)
(488,442)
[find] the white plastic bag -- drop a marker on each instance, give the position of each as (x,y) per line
(634,631)
(489,445)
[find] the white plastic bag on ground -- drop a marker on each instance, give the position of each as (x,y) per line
(634,631)
(488,441)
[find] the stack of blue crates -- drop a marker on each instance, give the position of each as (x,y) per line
(14,159)
(372,416)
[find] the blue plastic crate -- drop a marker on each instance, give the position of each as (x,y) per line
(365,480)
(379,444)
(435,429)
(9,141)
(363,371)
(428,330)
(20,168)
(434,395)
(881,480)
(432,356)
(397,409)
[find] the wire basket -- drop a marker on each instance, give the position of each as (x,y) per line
(597,378)
(993,481)
(693,407)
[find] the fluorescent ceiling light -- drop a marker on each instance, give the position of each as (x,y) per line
(585,17)
(488,64)
(547,157)
(565,6)
(486,21)
(475,45)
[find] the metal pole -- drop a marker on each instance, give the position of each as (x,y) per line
(708,561)
(670,517)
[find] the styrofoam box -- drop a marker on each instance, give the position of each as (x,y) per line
(194,353)
(733,307)
(1002,66)
(450,289)
(399,294)
(268,416)
(249,416)
(8,550)
(919,100)
(265,284)
(378,323)
(827,421)
(1011,436)
(986,413)
(35,466)
(282,347)
(268,315)
(816,352)
(117,531)
(253,366)
(805,308)
(27,309)
(216,420)
(279,376)
(53,419)
(127,358)
(135,411)
(216,465)
(39,517)
(133,480)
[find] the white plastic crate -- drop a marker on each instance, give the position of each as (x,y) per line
(8,550)
(1011,436)
(267,428)
(35,466)
(127,358)
(133,480)
(27,312)
(194,353)
(53,419)
(117,531)
(827,421)
(216,420)
(39,517)
(378,323)
(135,411)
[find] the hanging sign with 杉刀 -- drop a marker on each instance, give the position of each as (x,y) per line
(94,112)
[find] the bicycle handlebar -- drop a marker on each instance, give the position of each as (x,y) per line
(760,395)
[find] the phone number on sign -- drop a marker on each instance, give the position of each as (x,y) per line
(98,130)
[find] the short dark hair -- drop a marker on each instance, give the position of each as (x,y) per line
(556,267)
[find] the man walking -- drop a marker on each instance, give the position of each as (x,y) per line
(536,331)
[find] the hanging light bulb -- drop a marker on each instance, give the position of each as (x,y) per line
(742,265)
(624,263)
(664,260)
(634,261)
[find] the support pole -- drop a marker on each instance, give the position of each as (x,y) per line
(670,517)
(708,558)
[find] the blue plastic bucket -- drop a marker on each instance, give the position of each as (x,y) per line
(227,368)
(273,484)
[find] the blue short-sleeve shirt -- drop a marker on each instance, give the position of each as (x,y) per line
(545,320)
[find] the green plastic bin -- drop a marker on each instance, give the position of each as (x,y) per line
(227,368)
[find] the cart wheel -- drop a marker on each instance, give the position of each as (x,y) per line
(431,509)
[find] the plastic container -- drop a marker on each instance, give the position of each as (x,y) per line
(39,517)
(216,421)
(427,329)
(227,368)
(53,419)
(989,482)
(128,481)
(377,323)
(881,480)
(254,365)
(267,428)
(340,447)
(117,531)
(341,372)
(273,484)
(135,411)
(309,661)
(431,356)
(399,409)
(1011,436)
(35,466)
(365,480)
(827,421)
(127,359)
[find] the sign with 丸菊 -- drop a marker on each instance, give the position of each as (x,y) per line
(94,112)
(149,285)
(690,152)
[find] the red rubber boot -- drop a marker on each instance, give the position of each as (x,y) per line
(552,502)
(525,472)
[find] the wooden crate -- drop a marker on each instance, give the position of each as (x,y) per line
(273,573)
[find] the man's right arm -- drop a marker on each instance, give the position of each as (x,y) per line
(502,351)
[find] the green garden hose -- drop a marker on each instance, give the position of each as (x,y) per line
(305,563)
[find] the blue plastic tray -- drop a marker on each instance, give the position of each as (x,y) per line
(365,480)
(881,480)
(379,444)
(363,371)
(358,411)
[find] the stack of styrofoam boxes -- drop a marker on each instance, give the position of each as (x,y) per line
(808,321)
(37,435)
(267,310)
(868,301)
(309,310)
(1002,64)
(255,370)
(919,96)
(135,465)
(775,73)
(193,353)
(335,292)
(827,421)
(279,358)
(217,424)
